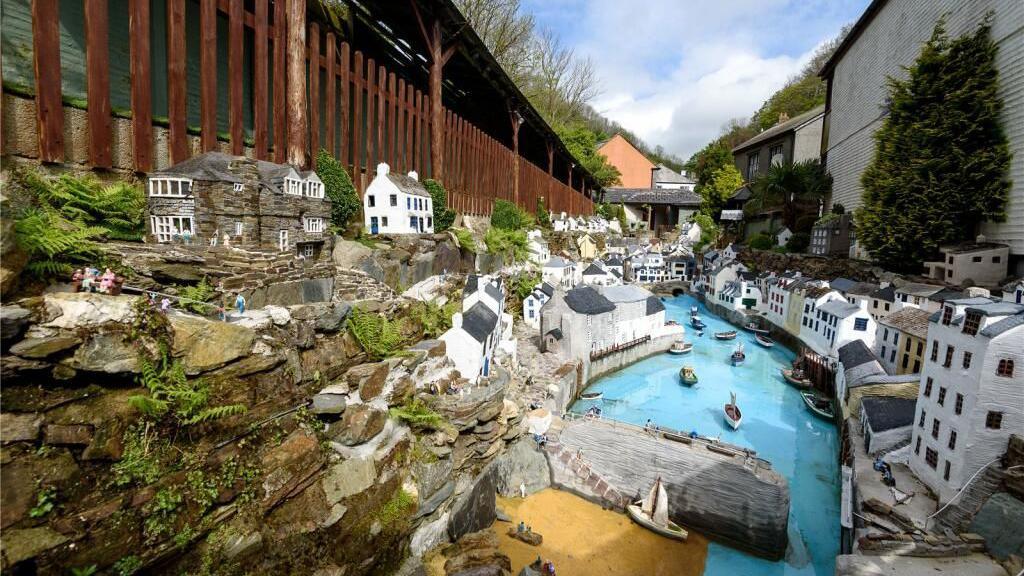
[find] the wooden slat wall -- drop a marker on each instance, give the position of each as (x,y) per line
(370,114)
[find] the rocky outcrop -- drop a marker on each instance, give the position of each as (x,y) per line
(474,509)
(810,266)
(522,465)
(477,554)
(403,260)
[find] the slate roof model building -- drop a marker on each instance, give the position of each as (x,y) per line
(253,203)
(397,204)
(886,413)
(913,321)
(477,329)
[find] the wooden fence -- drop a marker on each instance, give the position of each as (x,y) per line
(358,110)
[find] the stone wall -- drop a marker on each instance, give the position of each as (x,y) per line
(597,368)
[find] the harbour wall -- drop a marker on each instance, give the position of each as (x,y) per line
(597,368)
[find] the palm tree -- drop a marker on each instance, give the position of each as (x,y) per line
(795,188)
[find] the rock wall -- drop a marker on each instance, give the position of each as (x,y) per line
(812,266)
(402,260)
(597,368)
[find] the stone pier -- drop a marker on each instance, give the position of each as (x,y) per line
(721,491)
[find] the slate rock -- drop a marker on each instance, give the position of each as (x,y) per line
(359,425)
(108,352)
(204,345)
(45,346)
(368,378)
(328,403)
(13,321)
(67,434)
(19,427)
(474,509)
(522,463)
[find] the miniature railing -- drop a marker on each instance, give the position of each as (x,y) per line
(598,354)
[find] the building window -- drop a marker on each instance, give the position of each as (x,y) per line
(928,387)
(384,221)
(917,446)
(947,315)
(886,306)
(907,346)
(314,189)
(165,228)
(959,406)
(892,356)
(752,162)
(942,396)
(917,366)
(430,221)
(949,357)
(292,186)
(931,457)
(994,420)
(906,361)
(239,187)
(883,353)
(239,228)
(952,440)
(971,323)
(282,240)
(945,473)
(935,350)
(935,428)
(170,187)
(370,200)
(307,250)
(997,259)
(860,324)
(924,415)
(394,199)
(967,360)
(313,225)
(920,347)
(408,203)
(1005,368)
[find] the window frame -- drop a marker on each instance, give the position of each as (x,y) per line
(159,180)
(164,232)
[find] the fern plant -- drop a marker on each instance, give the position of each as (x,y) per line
(171,391)
(194,297)
(378,336)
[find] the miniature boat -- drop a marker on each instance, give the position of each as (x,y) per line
(752,327)
(693,310)
(700,333)
(688,376)
(733,416)
(591,395)
(797,378)
(697,323)
(652,513)
(730,335)
(763,340)
(680,347)
(738,356)
(819,405)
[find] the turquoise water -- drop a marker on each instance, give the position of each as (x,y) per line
(776,424)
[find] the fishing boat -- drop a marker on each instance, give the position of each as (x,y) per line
(819,405)
(697,323)
(592,395)
(693,310)
(687,375)
(680,347)
(652,513)
(797,378)
(764,340)
(730,335)
(752,327)
(738,356)
(733,416)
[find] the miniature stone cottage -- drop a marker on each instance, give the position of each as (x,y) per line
(251,204)
(397,204)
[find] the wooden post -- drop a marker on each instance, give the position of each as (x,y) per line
(236,49)
(517,120)
(49,108)
(346,63)
(142,95)
(98,84)
(208,74)
(260,79)
(332,81)
(280,110)
(298,130)
(438,56)
(314,92)
(176,77)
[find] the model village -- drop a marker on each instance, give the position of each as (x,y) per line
(394,338)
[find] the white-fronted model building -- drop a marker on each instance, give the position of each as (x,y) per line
(397,204)
(558,271)
(537,247)
(971,395)
(477,331)
(534,301)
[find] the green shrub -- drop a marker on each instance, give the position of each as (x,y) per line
(54,244)
(378,336)
(798,242)
(508,216)
(338,187)
(466,240)
(432,318)
(762,242)
(443,217)
(511,244)
(543,216)
(170,391)
(140,460)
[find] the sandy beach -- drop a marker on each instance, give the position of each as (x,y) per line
(582,538)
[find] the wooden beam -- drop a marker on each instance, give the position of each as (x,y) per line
(280,82)
(260,79)
(298,129)
(208,74)
(141,87)
(332,81)
(358,119)
(98,83)
(46,52)
(344,151)
(236,69)
(176,77)
(314,92)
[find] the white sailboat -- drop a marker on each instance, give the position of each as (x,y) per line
(652,513)
(733,416)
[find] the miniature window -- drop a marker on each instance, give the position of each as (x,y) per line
(920,423)
(917,446)
(239,228)
(170,187)
(282,240)
(307,250)
(949,357)
(314,190)
(928,387)
(967,360)
(165,228)
(370,200)
(952,439)
(994,420)
(958,408)
(394,199)
(292,186)
(971,323)
(384,221)
(947,315)
(314,225)
(1005,368)
(860,324)
(942,396)
(935,428)
(945,473)
(931,457)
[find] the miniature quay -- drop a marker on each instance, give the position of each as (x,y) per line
(508,288)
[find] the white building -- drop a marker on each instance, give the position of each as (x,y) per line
(397,204)
(1014,292)
(741,293)
(648,268)
(596,275)
(783,236)
(978,263)
(478,330)
(918,295)
(665,178)
(842,322)
(972,391)
(778,296)
(537,247)
(534,301)
(689,233)
(886,423)
(558,271)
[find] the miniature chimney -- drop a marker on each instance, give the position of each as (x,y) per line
(457,320)
(414,175)
(383,169)
(783,117)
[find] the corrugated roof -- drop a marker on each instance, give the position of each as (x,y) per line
(674,197)
(913,321)
(586,300)
(779,129)
(887,413)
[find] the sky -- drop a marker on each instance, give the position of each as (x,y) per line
(675,71)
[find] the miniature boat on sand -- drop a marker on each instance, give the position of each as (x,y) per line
(652,513)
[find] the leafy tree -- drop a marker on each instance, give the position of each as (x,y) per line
(722,184)
(338,187)
(443,217)
(582,143)
(798,242)
(941,157)
(795,188)
(543,216)
(708,229)
(709,159)
(620,213)
(762,241)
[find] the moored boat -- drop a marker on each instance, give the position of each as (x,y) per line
(764,340)
(693,310)
(738,356)
(687,375)
(753,327)
(680,347)
(730,335)
(819,405)
(796,377)
(592,395)
(733,416)
(697,323)
(652,513)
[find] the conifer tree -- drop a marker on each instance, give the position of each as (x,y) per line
(941,158)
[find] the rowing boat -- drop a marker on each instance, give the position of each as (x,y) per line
(730,335)
(764,340)
(818,405)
